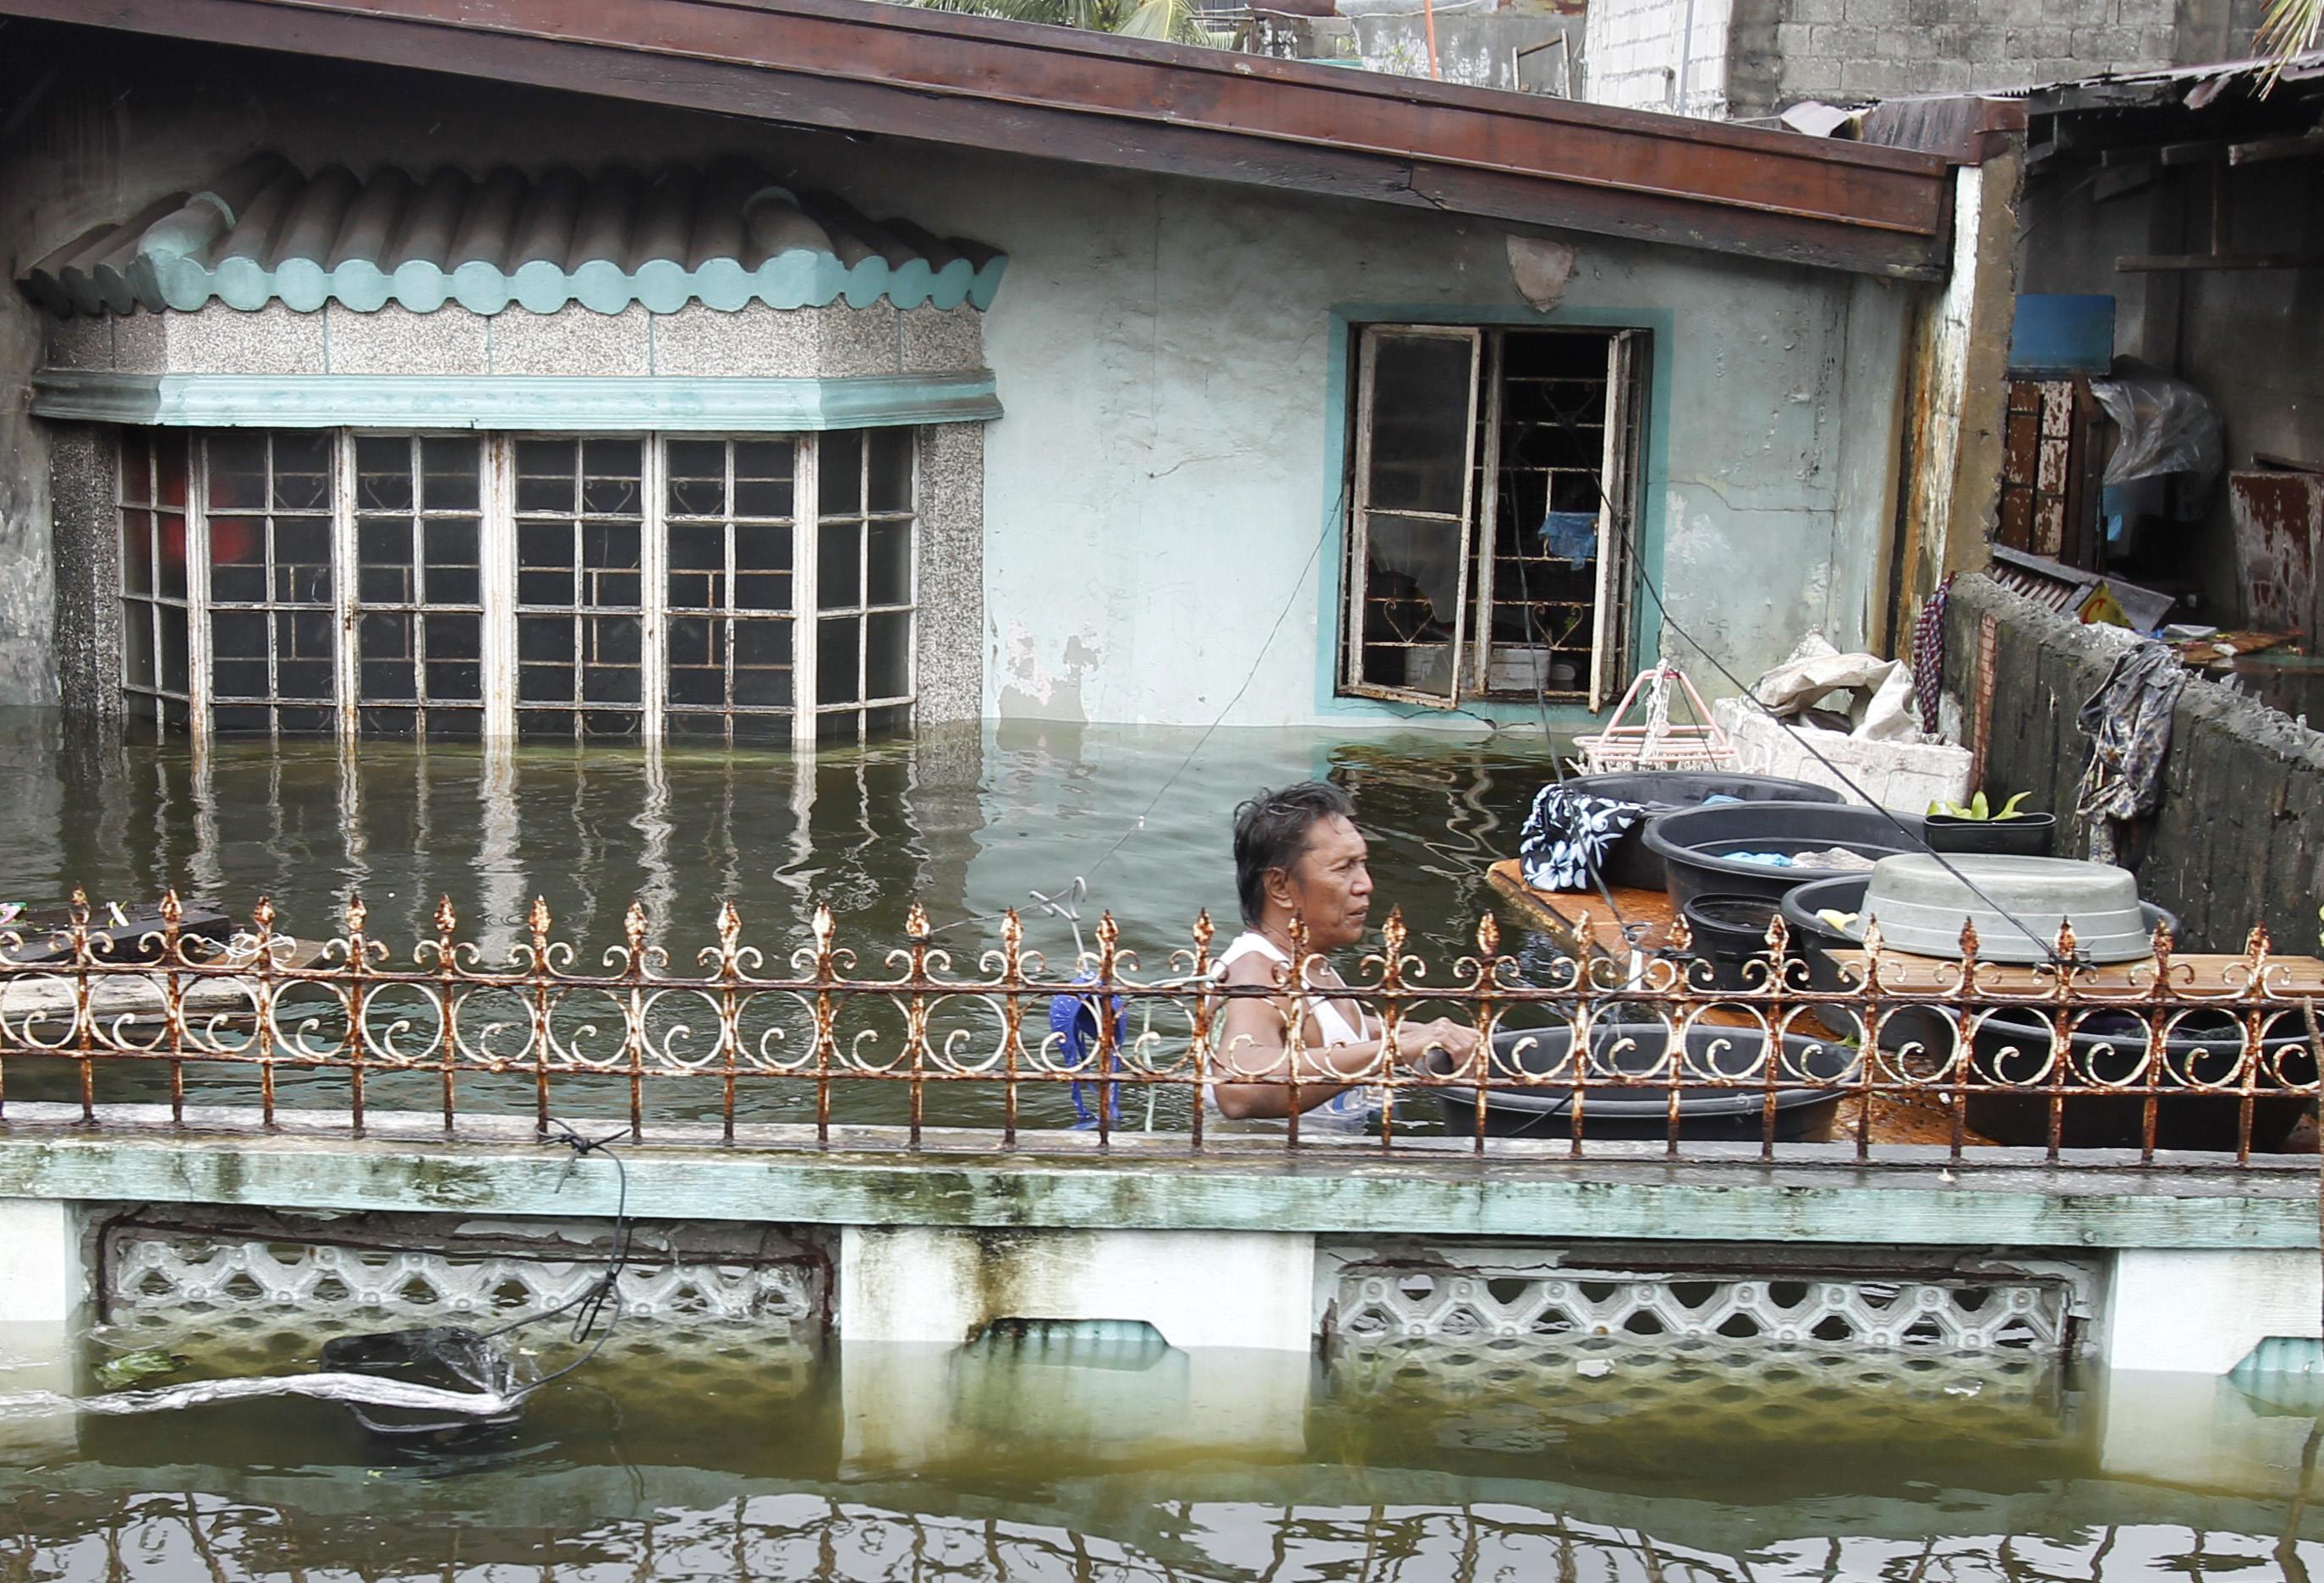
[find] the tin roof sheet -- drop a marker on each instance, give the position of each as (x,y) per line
(724,236)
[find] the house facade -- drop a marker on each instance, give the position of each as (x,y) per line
(379,399)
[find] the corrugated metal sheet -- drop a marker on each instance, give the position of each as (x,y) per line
(724,236)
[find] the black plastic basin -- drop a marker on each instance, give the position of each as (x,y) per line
(1730,940)
(1696,843)
(2028,836)
(1545,1111)
(1629,862)
(2014,1047)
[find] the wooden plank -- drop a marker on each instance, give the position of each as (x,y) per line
(859,66)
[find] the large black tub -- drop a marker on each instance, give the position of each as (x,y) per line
(1696,845)
(1668,791)
(2013,1046)
(1635,1049)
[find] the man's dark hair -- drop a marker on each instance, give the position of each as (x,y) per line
(1270,831)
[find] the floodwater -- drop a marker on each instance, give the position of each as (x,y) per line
(677,1456)
(920,1465)
(967,821)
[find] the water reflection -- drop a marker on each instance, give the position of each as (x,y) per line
(927,1464)
(965,820)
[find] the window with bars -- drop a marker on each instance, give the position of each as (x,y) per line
(1493,490)
(155,591)
(593,588)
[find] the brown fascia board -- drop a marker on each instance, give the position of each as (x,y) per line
(1052,93)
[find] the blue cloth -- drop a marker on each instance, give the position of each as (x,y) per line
(1073,1019)
(1570,536)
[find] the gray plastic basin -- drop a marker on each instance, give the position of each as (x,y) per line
(1921,907)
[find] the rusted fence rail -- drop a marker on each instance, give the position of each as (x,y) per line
(1578,1053)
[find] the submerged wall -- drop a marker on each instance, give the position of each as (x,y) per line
(1155,500)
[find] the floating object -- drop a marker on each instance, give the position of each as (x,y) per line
(1530,1106)
(1629,862)
(1653,741)
(2016,905)
(46,996)
(450,1359)
(122,935)
(1699,848)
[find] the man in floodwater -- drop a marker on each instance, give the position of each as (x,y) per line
(1298,854)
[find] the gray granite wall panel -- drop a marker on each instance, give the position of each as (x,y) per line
(85,546)
(952,573)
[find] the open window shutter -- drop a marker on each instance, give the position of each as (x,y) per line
(1610,641)
(1411,544)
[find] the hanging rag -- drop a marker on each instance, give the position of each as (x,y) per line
(1568,834)
(1929,654)
(2129,722)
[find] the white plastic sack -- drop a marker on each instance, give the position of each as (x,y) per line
(1880,705)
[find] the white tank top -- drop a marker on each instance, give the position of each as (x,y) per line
(1345,1111)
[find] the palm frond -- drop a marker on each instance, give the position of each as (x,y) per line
(2289,29)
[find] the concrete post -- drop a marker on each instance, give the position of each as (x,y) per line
(1207,1288)
(2202,1311)
(42,1277)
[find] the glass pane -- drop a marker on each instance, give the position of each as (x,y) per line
(238,559)
(170,527)
(388,669)
(835,660)
(452,577)
(840,489)
(888,556)
(763,665)
(237,472)
(302,560)
(383,474)
(891,469)
(610,669)
(454,672)
(697,565)
(237,721)
(1420,398)
(838,572)
(383,561)
(696,664)
(302,655)
(544,559)
(172,618)
(888,655)
(1411,586)
(137,645)
(611,555)
(170,449)
(451,475)
(762,478)
(544,653)
(237,654)
(136,551)
(302,472)
(698,478)
(136,469)
(546,475)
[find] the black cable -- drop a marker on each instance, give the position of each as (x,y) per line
(594,1299)
(1918,837)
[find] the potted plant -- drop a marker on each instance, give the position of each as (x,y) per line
(1978,826)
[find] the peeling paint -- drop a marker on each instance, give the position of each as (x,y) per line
(1029,690)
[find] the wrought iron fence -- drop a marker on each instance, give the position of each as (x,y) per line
(2214,1053)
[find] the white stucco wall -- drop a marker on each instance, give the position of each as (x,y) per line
(1640,54)
(1153,496)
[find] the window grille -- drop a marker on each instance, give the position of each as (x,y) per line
(592,587)
(1493,496)
(156,678)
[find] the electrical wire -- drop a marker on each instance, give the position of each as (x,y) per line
(604,1292)
(1918,837)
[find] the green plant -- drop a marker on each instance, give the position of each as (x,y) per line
(1176,20)
(1976,807)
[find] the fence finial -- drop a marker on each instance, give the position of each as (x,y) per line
(537,919)
(357,912)
(633,927)
(173,911)
(448,921)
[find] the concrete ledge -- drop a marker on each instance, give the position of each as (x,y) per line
(1812,1193)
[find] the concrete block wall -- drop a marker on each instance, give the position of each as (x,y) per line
(2239,836)
(1850,50)
(1758,57)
